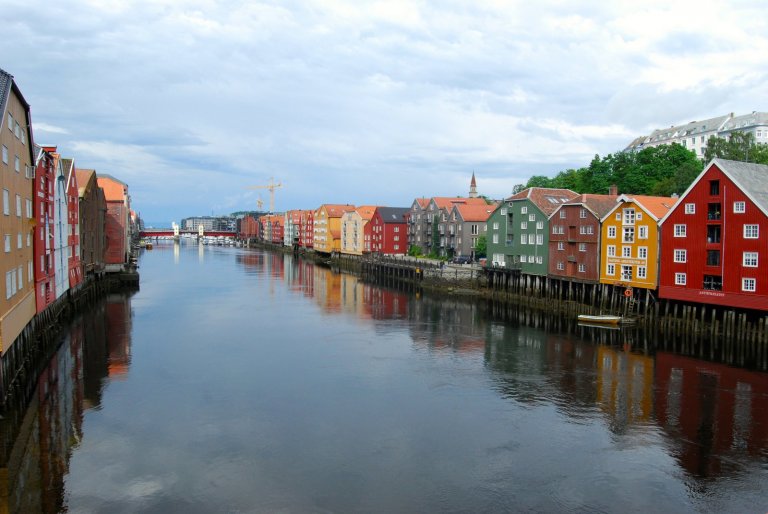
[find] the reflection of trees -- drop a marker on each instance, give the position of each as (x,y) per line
(41,435)
(451,324)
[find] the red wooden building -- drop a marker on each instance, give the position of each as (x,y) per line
(73,222)
(43,244)
(307,232)
(116,221)
(711,249)
(574,239)
(388,230)
(249,227)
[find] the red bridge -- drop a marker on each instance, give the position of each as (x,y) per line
(168,232)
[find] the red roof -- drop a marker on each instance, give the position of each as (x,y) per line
(447,202)
(475,212)
(547,199)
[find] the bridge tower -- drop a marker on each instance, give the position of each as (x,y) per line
(175,231)
(200,231)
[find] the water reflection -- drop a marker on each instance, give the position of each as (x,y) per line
(448,402)
(42,436)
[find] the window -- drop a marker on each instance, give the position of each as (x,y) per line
(690,208)
(539,259)
(582,247)
(680,230)
(582,268)
(523,258)
(560,266)
(679,279)
(5,154)
(751,231)
(30,272)
(561,246)
(611,251)
(539,225)
(495,238)
(739,207)
(748,284)
(523,239)
(523,225)
(618,216)
(626,251)
(504,211)
(642,272)
(19,241)
(16,163)
(612,232)
(714,187)
(539,239)
(629,235)
(626,272)
(7,243)
(473,229)
(562,214)
(681,256)
(532,217)
(642,232)
(583,213)
(8,285)
(713,282)
(10,121)
(531,239)
(750,259)
(495,225)
(29,208)
(629,216)
(20,275)
(18,206)
(524,209)
(642,252)
(610,270)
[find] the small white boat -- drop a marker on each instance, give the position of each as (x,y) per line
(601,319)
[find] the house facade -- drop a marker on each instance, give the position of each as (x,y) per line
(327,227)
(307,233)
(92,217)
(574,237)
(17,161)
(61,249)
(45,233)
(74,265)
(629,241)
(518,229)
(291,227)
(465,224)
(117,227)
(711,240)
(353,226)
(389,230)
(419,228)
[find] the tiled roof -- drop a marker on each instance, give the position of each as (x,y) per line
(547,199)
(475,212)
(6,80)
(393,214)
(600,205)
(335,210)
(114,190)
(658,206)
(84,178)
(447,202)
(366,211)
(423,202)
(751,178)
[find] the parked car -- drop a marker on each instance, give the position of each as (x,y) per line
(462,259)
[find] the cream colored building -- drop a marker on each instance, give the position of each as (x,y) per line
(17,303)
(327,227)
(353,230)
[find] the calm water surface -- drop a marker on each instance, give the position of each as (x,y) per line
(243,381)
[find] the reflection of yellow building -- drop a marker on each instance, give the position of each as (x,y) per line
(624,385)
(629,241)
(353,229)
(327,227)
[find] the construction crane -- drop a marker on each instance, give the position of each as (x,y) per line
(271,188)
(260,203)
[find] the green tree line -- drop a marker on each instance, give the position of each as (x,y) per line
(659,171)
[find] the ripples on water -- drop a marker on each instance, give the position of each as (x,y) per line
(243,381)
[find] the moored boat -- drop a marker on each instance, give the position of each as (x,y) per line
(600,319)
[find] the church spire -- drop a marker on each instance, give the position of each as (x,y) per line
(473,187)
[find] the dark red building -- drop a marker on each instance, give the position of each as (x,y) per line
(307,232)
(711,249)
(75,270)
(388,230)
(43,244)
(574,239)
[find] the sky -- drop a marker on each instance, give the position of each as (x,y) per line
(194,102)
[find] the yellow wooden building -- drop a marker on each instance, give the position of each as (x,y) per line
(327,227)
(629,241)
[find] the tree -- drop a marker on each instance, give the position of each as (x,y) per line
(738,146)
(481,247)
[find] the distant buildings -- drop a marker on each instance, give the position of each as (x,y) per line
(694,135)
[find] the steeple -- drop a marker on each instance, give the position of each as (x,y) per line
(473,187)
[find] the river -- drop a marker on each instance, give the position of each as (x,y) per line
(240,381)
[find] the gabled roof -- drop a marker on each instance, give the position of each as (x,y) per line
(8,85)
(447,202)
(750,178)
(547,199)
(114,189)
(422,202)
(599,205)
(655,206)
(366,211)
(84,179)
(474,212)
(335,210)
(393,214)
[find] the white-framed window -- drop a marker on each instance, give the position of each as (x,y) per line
(642,272)
(629,216)
(680,279)
(532,217)
(6,202)
(629,235)
(523,258)
(503,211)
(560,266)
(539,259)
(590,229)
(751,231)
(561,245)
(523,225)
(749,285)
(540,225)
(610,270)
(539,239)
(396,247)
(618,216)
(582,268)
(495,225)
(626,251)
(642,232)
(626,272)
(611,250)
(7,243)
(690,208)
(524,209)
(29,239)
(30,272)
(29,207)
(5,154)
(16,163)
(8,284)
(562,213)
(20,275)
(18,206)
(749,259)
(582,247)
(523,239)
(680,230)
(495,238)
(681,255)
(642,252)
(582,229)
(612,232)
(739,207)
(19,241)
(10,121)
(531,239)
(583,213)
(639,216)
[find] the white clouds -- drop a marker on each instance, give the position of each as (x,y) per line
(212,96)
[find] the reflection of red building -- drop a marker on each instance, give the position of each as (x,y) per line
(719,411)
(118,314)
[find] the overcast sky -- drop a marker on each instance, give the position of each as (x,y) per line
(192,101)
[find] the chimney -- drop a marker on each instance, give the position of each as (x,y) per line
(613,190)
